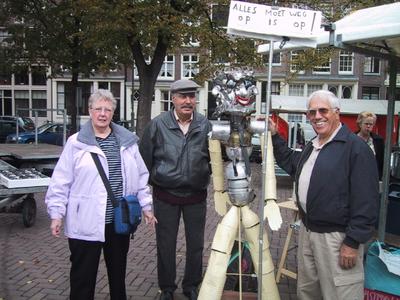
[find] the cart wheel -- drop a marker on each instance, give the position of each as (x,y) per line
(28,211)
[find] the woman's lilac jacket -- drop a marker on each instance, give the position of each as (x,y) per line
(76,191)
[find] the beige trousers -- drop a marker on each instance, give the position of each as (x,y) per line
(319,274)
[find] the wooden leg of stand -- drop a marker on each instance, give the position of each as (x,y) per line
(284,254)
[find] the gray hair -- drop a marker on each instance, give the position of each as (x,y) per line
(102,94)
(325,95)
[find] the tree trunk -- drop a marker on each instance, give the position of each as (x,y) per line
(146,92)
(71,106)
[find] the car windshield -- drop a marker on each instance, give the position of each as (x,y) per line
(28,124)
(44,127)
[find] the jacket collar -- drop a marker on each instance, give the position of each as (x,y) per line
(171,123)
(124,136)
(343,134)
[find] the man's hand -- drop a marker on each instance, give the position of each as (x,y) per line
(272,126)
(55,227)
(348,257)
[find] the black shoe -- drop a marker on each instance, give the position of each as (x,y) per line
(166,295)
(192,294)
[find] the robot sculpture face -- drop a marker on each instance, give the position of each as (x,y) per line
(235,91)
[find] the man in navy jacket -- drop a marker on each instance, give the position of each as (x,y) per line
(337,194)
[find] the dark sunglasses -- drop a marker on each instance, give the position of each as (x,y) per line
(322,111)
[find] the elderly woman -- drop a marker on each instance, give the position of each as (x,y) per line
(366,122)
(77,193)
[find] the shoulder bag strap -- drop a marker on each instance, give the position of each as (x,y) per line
(104,178)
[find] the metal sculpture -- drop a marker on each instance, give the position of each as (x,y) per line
(235,92)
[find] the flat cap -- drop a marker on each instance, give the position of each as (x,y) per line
(184,86)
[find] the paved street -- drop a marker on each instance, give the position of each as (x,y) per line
(34,265)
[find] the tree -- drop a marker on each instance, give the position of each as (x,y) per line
(50,33)
(151,29)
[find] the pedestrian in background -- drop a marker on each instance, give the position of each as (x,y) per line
(336,185)
(174,147)
(76,193)
(366,122)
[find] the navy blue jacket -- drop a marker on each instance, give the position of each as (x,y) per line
(343,192)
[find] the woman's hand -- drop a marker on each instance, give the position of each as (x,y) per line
(55,227)
(150,218)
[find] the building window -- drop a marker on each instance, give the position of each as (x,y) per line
(39,76)
(346,92)
(189,65)
(166,101)
(370,93)
(295,118)
(312,88)
(296,89)
(21,103)
(333,89)
(294,64)
(275,90)
(322,69)
(220,14)
(104,85)
(168,67)
(346,59)
(22,77)
(5,79)
(65,96)
(371,65)
(5,103)
(39,101)
(276,59)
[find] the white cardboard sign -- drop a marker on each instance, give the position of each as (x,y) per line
(273,21)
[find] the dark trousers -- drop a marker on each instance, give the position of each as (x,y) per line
(85,257)
(194,218)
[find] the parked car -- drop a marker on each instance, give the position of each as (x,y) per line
(8,125)
(49,133)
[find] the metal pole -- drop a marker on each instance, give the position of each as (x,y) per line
(35,112)
(64,126)
(387,151)
(264,172)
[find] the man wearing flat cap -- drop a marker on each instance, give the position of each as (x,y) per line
(174,147)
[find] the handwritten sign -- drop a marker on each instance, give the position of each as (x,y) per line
(273,21)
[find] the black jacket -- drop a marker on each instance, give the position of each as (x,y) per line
(343,192)
(177,163)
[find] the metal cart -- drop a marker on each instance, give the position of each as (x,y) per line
(19,199)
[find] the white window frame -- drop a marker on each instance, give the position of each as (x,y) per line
(346,62)
(163,100)
(293,66)
(313,87)
(369,62)
(298,88)
(168,63)
(190,65)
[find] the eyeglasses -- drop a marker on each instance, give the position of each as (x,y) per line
(323,111)
(368,124)
(102,109)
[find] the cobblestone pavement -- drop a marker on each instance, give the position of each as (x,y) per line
(34,265)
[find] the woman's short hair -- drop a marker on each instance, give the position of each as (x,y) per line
(363,115)
(327,95)
(102,94)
